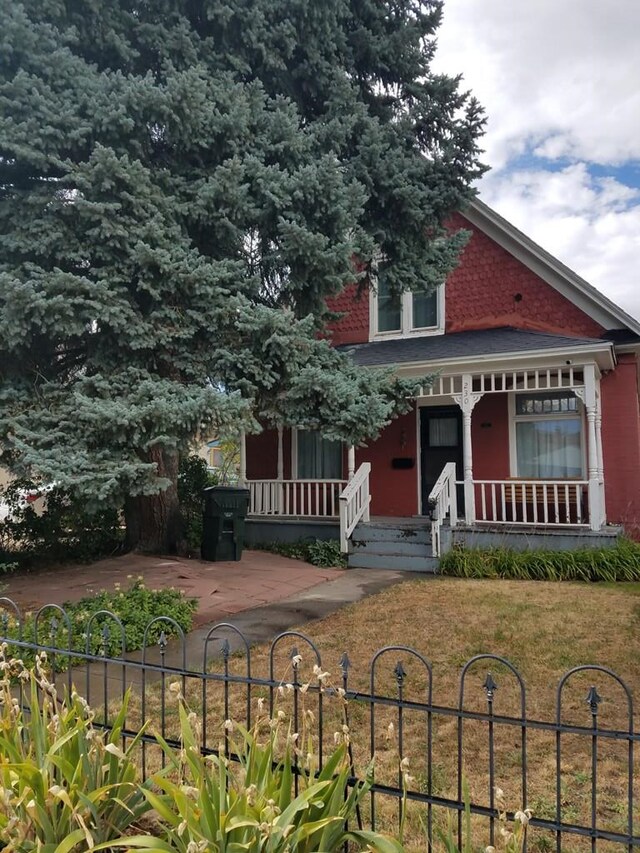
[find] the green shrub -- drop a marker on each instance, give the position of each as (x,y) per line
(619,563)
(322,553)
(194,477)
(135,607)
(63,781)
(68,530)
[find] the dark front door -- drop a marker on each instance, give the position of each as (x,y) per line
(440,442)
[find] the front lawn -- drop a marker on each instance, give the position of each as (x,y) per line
(543,629)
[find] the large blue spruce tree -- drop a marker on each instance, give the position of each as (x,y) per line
(183,184)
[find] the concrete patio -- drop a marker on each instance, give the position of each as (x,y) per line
(222,588)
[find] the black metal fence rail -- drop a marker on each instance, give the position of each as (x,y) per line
(588,748)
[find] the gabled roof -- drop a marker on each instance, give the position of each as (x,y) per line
(502,342)
(574,288)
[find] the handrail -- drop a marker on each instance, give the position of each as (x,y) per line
(354,504)
(443,501)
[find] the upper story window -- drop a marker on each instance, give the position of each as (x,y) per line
(396,315)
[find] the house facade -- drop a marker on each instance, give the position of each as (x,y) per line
(531,421)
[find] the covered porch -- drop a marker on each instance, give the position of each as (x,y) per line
(514,444)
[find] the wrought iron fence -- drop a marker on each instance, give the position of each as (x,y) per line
(575,766)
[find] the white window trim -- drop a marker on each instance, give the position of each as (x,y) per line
(514,418)
(406,318)
(294,461)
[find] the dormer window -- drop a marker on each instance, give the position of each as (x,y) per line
(396,315)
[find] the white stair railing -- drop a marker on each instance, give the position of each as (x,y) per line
(354,504)
(443,501)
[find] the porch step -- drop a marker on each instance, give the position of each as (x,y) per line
(388,545)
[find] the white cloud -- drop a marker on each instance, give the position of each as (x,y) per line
(588,223)
(560,81)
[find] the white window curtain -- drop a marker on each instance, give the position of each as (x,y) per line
(549,449)
(318,457)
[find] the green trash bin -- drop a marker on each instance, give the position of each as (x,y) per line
(223,516)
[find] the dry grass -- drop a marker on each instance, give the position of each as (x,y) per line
(544,629)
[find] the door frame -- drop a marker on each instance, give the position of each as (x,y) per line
(437,409)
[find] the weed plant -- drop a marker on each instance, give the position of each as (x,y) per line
(325,554)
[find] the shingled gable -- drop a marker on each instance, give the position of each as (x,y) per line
(503,279)
(563,279)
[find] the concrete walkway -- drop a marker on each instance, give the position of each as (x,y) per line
(262,595)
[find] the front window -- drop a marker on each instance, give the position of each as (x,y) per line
(548,436)
(319,458)
(399,314)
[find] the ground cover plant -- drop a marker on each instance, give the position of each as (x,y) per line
(135,605)
(618,563)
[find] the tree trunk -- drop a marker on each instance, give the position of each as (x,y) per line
(153,521)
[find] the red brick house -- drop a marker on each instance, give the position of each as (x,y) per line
(532,423)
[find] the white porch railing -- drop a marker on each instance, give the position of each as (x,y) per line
(299,498)
(443,501)
(354,504)
(557,503)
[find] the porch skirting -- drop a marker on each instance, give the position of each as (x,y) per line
(528,539)
(260,530)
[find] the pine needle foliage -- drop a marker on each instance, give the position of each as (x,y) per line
(183,185)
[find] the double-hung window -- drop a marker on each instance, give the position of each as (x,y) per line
(548,436)
(318,458)
(398,314)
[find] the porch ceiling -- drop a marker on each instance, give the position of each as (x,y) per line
(501,343)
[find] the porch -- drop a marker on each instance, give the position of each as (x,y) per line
(483,493)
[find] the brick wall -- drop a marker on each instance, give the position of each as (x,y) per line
(621,444)
(353,328)
(489,288)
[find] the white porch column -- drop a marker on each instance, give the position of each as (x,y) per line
(280,471)
(603,506)
(351,462)
(467,401)
(242,479)
(590,402)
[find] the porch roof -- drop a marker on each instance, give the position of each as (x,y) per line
(460,345)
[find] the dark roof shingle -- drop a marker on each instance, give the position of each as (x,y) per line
(460,345)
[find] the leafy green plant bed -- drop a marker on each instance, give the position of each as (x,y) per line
(620,563)
(135,607)
(322,553)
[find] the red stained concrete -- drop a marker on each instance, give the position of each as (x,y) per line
(222,588)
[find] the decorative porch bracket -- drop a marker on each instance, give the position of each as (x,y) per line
(467,401)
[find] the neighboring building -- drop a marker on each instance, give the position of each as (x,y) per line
(212,454)
(534,414)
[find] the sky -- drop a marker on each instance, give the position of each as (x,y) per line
(560,83)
